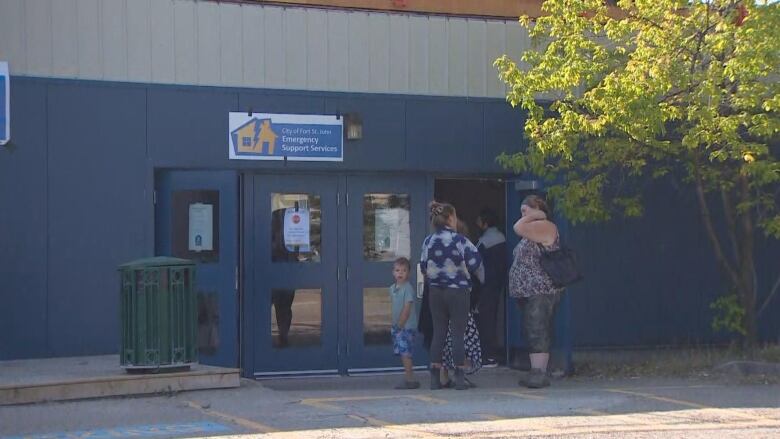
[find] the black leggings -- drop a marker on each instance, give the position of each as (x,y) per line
(449,305)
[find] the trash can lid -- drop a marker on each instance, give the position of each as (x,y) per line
(157,261)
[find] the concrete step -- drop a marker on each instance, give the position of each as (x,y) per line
(61,379)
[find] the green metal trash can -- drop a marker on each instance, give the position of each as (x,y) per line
(158,314)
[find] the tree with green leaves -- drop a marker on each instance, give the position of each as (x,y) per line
(619,95)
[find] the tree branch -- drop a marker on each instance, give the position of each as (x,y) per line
(768,299)
(711,234)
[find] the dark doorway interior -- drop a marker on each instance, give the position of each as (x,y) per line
(470,196)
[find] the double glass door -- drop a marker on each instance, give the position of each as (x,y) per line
(319,252)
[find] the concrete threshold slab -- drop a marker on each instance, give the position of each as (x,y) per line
(61,379)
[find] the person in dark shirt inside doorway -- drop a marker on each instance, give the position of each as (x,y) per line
(492,247)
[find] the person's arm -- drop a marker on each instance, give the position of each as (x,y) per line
(536,228)
(404,316)
(424,257)
(473,261)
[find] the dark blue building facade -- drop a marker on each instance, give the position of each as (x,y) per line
(85,182)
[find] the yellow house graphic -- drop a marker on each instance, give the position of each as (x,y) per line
(267,138)
(255,137)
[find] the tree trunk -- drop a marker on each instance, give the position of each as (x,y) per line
(746,269)
(739,272)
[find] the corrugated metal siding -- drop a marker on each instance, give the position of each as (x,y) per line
(222,44)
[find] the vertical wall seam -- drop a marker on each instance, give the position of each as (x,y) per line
(196,21)
(409,59)
(368,26)
(349,50)
(446,84)
(305,40)
(126,26)
(51,38)
(241,48)
(78,54)
(389,42)
(486,62)
(101,54)
(283,82)
(151,46)
(173,39)
(48,225)
(466,59)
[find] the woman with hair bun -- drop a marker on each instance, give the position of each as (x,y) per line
(448,261)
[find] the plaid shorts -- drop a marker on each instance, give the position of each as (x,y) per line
(403,340)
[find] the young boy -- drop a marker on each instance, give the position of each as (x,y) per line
(402,297)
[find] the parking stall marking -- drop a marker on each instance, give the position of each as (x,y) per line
(246,423)
(329,404)
(660,398)
(523,395)
(704,409)
(489,417)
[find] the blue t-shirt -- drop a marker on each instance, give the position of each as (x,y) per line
(399,296)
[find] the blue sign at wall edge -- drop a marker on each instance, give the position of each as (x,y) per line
(5,103)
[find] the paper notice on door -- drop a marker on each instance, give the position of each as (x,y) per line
(391,232)
(201,219)
(296,228)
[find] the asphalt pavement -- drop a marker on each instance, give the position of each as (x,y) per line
(369,407)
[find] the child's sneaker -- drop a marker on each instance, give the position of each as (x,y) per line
(408,385)
(490,362)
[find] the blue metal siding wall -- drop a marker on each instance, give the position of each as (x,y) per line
(383,127)
(442,137)
(79,181)
(80,178)
(650,281)
(96,203)
(768,270)
(188,126)
(23,226)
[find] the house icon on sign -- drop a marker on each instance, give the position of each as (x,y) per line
(255,137)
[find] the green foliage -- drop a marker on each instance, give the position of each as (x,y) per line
(652,88)
(729,315)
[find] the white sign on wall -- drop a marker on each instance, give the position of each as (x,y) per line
(201,236)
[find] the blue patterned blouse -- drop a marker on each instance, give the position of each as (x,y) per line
(449,260)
